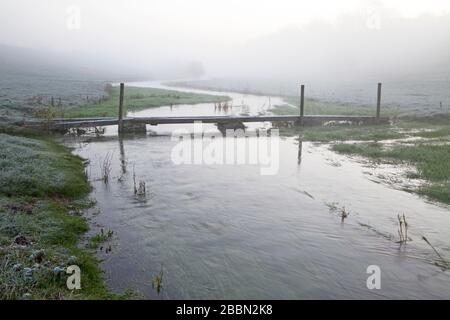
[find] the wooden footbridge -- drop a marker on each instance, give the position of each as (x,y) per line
(222,121)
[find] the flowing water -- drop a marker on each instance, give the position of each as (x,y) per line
(226,231)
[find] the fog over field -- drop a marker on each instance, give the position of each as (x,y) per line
(278,40)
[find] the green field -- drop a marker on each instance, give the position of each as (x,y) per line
(136,99)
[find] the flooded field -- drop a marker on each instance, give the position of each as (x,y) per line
(226,231)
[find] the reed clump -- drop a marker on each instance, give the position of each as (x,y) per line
(157,282)
(445,264)
(140,188)
(106,167)
(402,229)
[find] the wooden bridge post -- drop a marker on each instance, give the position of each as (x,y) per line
(121,108)
(379,101)
(302,103)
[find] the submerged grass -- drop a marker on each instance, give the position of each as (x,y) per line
(100,238)
(136,99)
(356,133)
(429,151)
(42,192)
(432,163)
(428,127)
(443,262)
(345,133)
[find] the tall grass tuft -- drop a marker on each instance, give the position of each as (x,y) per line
(402,229)
(445,265)
(106,167)
(141,190)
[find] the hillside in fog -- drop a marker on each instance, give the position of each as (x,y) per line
(62,64)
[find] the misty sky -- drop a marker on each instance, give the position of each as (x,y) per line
(224,35)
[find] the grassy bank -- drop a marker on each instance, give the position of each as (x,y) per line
(138,99)
(431,161)
(42,194)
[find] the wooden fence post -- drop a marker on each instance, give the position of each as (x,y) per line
(302,103)
(121,108)
(379,101)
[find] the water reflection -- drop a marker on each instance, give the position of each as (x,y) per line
(223,107)
(122,154)
(300,147)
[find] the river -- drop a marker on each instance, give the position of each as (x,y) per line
(227,232)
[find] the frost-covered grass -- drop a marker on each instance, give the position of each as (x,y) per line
(37,168)
(42,194)
(21,94)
